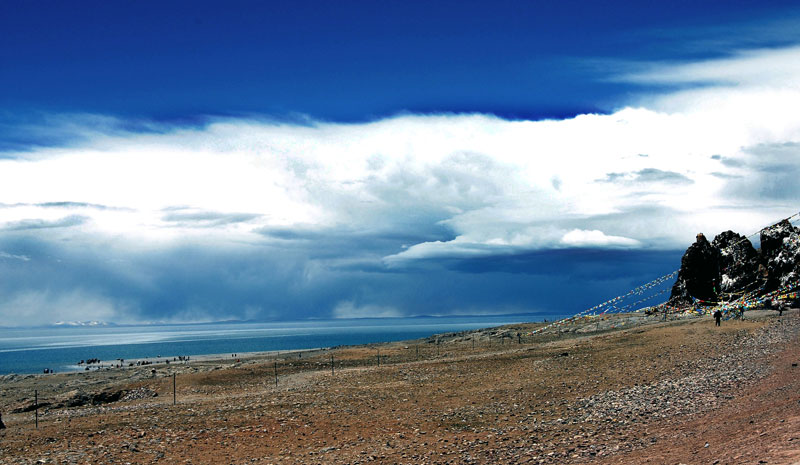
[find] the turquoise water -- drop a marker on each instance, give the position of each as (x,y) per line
(31,350)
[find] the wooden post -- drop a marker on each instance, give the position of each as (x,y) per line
(417,347)
(332,364)
(437,346)
(473,342)
(36,407)
(276,373)
(379,357)
(174,391)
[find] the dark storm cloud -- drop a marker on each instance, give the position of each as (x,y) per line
(66,205)
(267,282)
(647,175)
(717,174)
(207,219)
(31,224)
(731,162)
(655,175)
(343,241)
(773,172)
(291,234)
(587,263)
(73,205)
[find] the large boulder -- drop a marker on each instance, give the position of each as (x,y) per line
(738,263)
(780,254)
(699,275)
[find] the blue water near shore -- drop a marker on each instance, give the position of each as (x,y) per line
(31,350)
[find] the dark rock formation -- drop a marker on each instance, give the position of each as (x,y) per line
(699,275)
(738,263)
(780,254)
(730,265)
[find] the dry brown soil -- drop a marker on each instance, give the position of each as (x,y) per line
(674,392)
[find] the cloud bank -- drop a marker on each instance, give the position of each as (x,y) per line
(253,218)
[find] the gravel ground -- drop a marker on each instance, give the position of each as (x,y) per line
(643,391)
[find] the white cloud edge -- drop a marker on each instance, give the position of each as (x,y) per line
(472,170)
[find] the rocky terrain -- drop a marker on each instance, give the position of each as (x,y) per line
(616,389)
(730,266)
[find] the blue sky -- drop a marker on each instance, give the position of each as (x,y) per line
(188,161)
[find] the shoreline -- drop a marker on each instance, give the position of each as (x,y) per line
(179,360)
(106,351)
(149,367)
(501,335)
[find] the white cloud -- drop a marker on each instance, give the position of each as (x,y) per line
(777,67)
(499,186)
(595,238)
(9,256)
(349,309)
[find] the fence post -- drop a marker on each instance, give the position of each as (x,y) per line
(379,357)
(332,364)
(276,373)
(174,391)
(36,407)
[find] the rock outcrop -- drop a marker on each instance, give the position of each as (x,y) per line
(77,398)
(729,265)
(738,263)
(699,274)
(780,254)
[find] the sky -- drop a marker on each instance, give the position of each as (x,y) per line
(198,161)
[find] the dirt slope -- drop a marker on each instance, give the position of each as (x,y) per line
(655,393)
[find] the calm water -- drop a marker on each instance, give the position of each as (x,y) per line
(31,350)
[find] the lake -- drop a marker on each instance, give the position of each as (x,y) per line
(31,350)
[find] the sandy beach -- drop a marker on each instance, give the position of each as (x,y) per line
(615,389)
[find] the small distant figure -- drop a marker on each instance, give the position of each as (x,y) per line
(781,307)
(717,317)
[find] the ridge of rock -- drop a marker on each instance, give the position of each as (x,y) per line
(731,265)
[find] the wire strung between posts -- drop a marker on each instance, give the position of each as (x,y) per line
(607,305)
